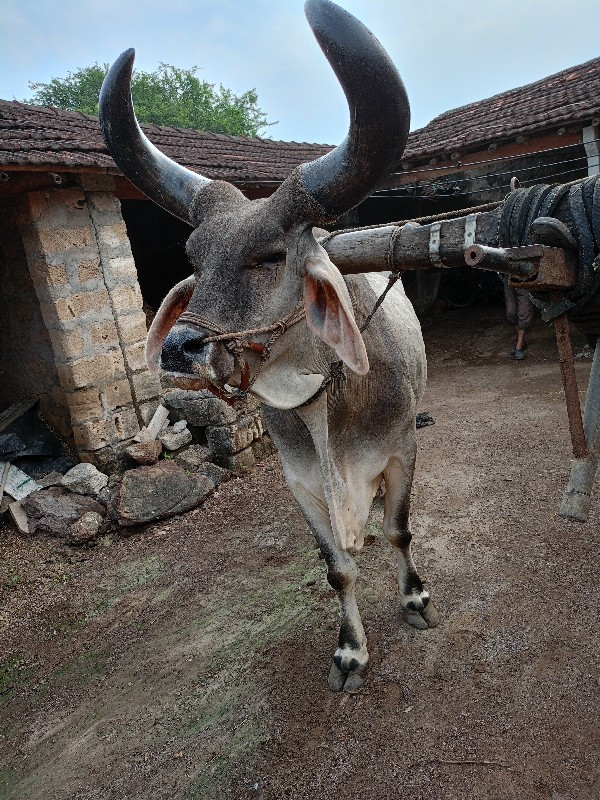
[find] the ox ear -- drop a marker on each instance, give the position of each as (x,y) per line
(329,311)
(167,315)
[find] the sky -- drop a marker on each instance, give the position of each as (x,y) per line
(449,52)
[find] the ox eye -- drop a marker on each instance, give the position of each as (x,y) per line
(269,262)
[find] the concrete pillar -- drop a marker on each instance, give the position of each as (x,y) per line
(85,279)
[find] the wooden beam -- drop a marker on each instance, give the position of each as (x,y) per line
(409,247)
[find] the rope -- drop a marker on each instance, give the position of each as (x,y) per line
(239,341)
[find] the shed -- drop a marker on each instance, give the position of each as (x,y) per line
(85,257)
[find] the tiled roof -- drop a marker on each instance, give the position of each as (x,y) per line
(572,95)
(32,135)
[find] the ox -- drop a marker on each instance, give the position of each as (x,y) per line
(267,310)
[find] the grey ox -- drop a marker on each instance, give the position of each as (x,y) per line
(267,311)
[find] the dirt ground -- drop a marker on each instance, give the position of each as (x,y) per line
(189,660)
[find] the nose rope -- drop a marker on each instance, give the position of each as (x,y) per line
(238,341)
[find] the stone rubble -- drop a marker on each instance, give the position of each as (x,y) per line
(193,458)
(174,440)
(146,494)
(145,453)
(55,509)
(19,517)
(85,528)
(235,438)
(85,479)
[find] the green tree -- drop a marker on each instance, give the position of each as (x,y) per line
(167,96)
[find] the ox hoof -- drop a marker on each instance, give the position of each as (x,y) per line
(341,681)
(422,615)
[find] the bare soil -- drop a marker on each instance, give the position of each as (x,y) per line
(189,660)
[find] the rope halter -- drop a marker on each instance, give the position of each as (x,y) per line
(237,342)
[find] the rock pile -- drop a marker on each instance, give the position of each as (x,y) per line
(206,443)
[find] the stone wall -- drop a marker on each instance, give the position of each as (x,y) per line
(73,331)
(236,439)
(85,280)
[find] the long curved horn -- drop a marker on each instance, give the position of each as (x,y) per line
(379,111)
(167,183)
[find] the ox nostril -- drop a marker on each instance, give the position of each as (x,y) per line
(181,347)
(193,346)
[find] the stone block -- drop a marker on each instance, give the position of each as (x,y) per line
(193,458)
(56,208)
(174,440)
(146,386)
(132,328)
(93,435)
(104,334)
(113,235)
(89,270)
(82,303)
(126,423)
(53,239)
(67,344)
(86,528)
(238,463)
(117,394)
(53,510)
(145,452)
(100,370)
(150,493)
(49,275)
(236,436)
(215,473)
(19,517)
(199,408)
(127,299)
(146,410)
(84,404)
(110,459)
(85,478)
(135,357)
(34,206)
(120,271)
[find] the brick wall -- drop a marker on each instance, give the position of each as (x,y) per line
(85,280)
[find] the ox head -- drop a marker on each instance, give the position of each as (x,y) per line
(254,261)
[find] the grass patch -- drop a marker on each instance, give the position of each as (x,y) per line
(229,711)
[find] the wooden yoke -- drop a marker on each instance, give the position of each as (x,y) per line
(473,240)
(411,246)
(452,243)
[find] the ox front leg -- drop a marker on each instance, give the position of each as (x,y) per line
(416,602)
(351,657)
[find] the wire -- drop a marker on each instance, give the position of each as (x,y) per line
(455,167)
(519,171)
(491,175)
(532,181)
(493,160)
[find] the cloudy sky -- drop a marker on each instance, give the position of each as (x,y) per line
(448,52)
